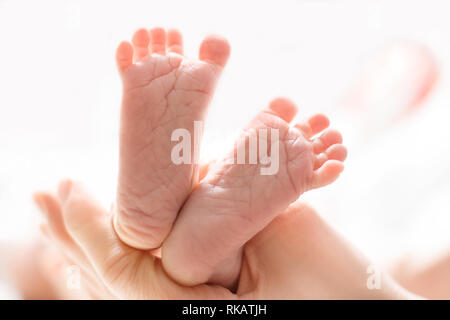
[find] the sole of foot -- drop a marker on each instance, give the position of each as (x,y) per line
(235,201)
(162,91)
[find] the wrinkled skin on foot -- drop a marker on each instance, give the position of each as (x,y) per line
(236,201)
(162,91)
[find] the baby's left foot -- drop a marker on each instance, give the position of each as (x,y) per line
(235,201)
(163,92)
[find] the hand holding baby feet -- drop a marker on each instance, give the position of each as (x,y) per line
(284,261)
(237,200)
(162,91)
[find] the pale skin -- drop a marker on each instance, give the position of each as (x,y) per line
(285,261)
(203,231)
(162,91)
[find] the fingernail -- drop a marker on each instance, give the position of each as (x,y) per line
(64,190)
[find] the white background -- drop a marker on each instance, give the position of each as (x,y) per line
(60,96)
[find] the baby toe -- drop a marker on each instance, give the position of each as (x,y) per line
(283,108)
(141,41)
(314,125)
(174,41)
(326,174)
(335,152)
(158,40)
(215,49)
(327,139)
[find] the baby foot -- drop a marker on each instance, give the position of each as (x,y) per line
(162,91)
(235,201)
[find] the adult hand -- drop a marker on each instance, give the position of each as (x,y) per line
(297,256)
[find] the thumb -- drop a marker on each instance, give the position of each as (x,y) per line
(128,272)
(90,225)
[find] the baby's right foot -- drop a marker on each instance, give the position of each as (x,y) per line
(162,91)
(236,201)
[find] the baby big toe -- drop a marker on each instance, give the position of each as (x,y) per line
(124,55)
(215,49)
(283,108)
